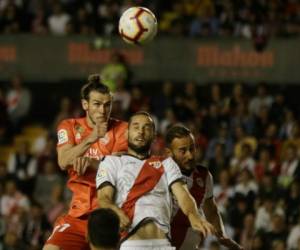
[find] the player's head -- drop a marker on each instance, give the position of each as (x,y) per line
(103,229)
(96,99)
(180,144)
(141,132)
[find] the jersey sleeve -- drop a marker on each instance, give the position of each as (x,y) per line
(172,171)
(64,133)
(121,143)
(107,172)
(209,187)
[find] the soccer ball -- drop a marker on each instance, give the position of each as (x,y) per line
(137,25)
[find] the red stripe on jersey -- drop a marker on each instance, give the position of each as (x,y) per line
(180,222)
(146,180)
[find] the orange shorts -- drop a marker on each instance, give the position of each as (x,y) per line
(69,233)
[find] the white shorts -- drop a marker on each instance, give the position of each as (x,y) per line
(162,244)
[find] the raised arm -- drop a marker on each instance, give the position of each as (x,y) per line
(105,197)
(214,217)
(188,206)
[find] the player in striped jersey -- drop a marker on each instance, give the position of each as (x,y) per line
(139,188)
(181,146)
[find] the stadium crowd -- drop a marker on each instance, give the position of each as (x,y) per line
(257,19)
(248,137)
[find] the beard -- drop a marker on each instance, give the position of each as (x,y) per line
(140,149)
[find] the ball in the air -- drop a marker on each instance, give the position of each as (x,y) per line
(137,25)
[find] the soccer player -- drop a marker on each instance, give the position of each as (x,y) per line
(79,141)
(139,187)
(103,229)
(181,147)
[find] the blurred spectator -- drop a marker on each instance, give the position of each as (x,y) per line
(46,181)
(64,112)
(265,165)
(39,22)
(292,201)
(244,161)
(219,162)
(270,141)
(122,96)
(18,101)
(163,100)
(10,20)
(13,199)
(278,231)
(241,138)
(138,99)
(12,242)
(5,127)
(262,99)
(294,237)
(115,71)
(56,205)
(222,137)
(58,20)
(36,228)
(23,166)
(288,124)
(246,186)
(248,231)
(265,213)
(290,168)
(223,191)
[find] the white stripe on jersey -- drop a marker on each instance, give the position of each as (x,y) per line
(122,171)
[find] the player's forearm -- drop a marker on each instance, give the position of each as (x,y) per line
(189,206)
(214,217)
(66,159)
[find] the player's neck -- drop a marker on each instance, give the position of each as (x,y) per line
(140,156)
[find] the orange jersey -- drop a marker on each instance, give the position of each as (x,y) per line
(73,131)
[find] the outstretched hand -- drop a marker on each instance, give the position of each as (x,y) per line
(229,243)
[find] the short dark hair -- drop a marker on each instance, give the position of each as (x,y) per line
(144,113)
(104,228)
(94,83)
(176,131)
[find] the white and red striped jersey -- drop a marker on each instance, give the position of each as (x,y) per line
(133,177)
(200,185)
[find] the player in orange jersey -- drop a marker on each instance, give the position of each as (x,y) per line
(79,141)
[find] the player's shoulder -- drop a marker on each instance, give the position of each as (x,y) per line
(118,124)
(71,122)
(201,168)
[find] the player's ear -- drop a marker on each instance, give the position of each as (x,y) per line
(84,104)
(168,152)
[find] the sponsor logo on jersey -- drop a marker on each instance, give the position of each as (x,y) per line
(155,164)
(62,136)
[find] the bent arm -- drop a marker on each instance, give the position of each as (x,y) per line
(68,153)
(105,196)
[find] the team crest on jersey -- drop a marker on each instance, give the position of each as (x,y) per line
(101,173)
(105,139)
(200,182)
(155,164)
(62,136)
